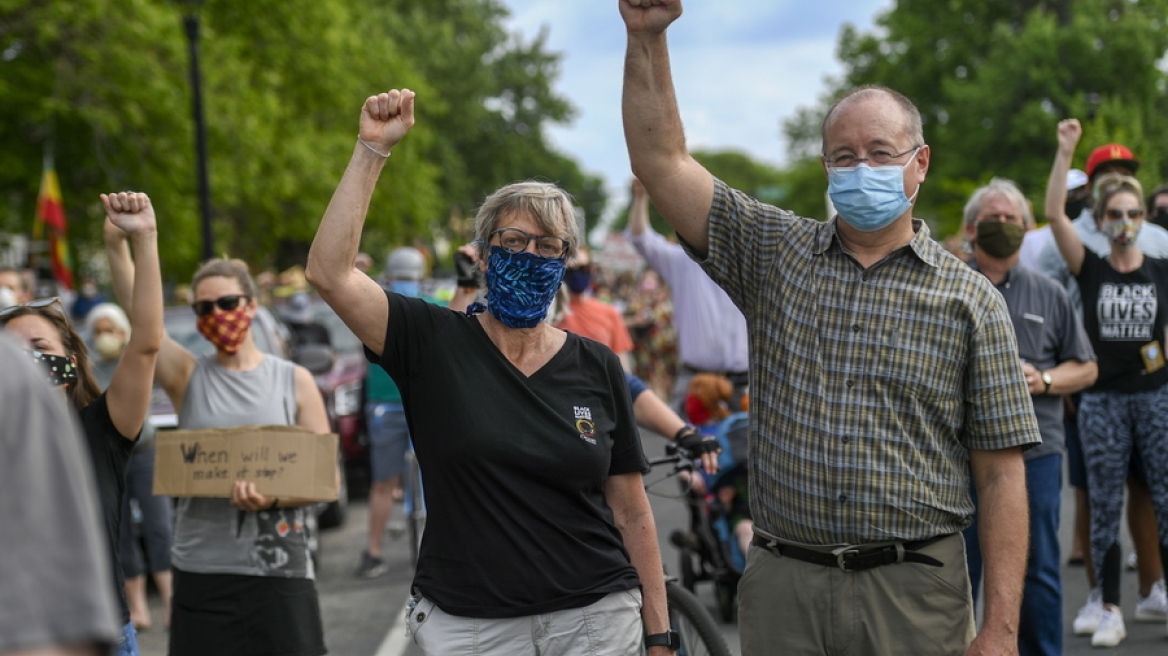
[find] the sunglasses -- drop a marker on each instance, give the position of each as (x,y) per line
(37,303)
(225,303)
(1131,214)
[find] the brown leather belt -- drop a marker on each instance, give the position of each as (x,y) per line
(852,559)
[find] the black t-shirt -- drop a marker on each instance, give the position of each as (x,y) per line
(513,467)
(110,452)
(1123,314)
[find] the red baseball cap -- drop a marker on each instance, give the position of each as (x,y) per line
(1109,154)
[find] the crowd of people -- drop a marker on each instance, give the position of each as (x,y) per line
(901,397)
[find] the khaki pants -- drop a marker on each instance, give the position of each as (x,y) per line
(609,627)
(789,607)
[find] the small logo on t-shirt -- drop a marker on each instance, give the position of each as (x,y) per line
(584,424)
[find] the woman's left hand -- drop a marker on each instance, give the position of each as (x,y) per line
(245,496)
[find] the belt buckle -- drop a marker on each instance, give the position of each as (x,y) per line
(841,555)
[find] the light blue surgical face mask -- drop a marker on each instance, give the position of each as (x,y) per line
(867,198)
(406,287)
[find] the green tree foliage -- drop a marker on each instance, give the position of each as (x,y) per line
(992,78)
(738,170)
(103,86)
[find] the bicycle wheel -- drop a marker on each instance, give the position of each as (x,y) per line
(416,517)
(699,632)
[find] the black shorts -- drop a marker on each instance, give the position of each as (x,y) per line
(234,615)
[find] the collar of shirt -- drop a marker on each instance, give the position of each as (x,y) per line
(1005,284)
(922,245)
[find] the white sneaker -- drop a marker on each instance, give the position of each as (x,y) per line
(1087,621)
(1111,630)
(1154,607)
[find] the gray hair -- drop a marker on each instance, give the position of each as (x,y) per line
(115,314)
(1007,189)
(548,205)
(913,127)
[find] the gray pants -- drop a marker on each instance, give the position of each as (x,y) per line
(609,627)
(794,608)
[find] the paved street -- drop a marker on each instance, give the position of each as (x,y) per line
(358,614)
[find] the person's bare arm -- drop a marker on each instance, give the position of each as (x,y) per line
(639,210)
(173,364)
(656,415)
(682,190)
(1067,378)
(356,298)
(1069,244)
(1003,528)
(129,390)
(625,494)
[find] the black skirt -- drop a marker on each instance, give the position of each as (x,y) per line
(234,615)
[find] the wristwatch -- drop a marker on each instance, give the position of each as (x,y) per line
(1046,380)
(668,639)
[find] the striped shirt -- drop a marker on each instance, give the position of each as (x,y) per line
(867,385)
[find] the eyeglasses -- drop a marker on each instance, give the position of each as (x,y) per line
(36,303)
(225,303)
(515,240)
(1114,213)
(876,157)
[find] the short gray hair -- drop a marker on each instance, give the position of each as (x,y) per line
(548,205)
(1008,189)
(913,127)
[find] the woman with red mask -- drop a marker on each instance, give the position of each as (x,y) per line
(243,577)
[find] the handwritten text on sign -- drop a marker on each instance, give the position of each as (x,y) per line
(283,461)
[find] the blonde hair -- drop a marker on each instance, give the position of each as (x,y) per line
(1110,185)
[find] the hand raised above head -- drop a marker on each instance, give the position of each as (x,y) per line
(129,211)
(386,118)
(649,15)
(1069,132)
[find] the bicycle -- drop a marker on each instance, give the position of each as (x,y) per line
(413,503)
(696,627)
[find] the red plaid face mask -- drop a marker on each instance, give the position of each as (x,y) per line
(225,329)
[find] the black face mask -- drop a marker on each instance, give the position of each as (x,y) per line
(60,368)
(1075,207)
(1160,218)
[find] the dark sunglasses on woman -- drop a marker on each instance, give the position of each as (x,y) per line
(225,303)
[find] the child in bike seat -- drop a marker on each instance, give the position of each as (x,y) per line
(713,411)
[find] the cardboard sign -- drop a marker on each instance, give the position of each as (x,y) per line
(283,461)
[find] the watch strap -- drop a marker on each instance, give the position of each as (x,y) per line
(668,639)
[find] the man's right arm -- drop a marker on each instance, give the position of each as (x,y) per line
(681,188)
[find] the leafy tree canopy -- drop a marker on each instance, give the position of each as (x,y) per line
(102,86)
(992,78)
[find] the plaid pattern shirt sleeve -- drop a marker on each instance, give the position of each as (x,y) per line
(867,385)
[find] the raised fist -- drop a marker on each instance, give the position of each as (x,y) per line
(128,211)
(1069,132)
(386,118)
(649,15)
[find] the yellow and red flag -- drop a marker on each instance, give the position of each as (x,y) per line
(50,214)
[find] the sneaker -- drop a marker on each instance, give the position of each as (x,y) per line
(1154,607)
(1087,621)
(1133,561)
(1111,630)
(370,567)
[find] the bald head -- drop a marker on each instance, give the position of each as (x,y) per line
(881,104)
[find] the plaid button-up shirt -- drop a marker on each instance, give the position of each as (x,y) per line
(868,386)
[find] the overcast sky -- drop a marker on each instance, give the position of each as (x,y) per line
(740,66)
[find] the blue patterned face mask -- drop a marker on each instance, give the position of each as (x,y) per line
(521,286)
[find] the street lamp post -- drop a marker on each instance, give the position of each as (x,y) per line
(191,25)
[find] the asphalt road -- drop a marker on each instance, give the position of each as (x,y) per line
(364,618)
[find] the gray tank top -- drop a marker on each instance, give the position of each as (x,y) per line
(210,535)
